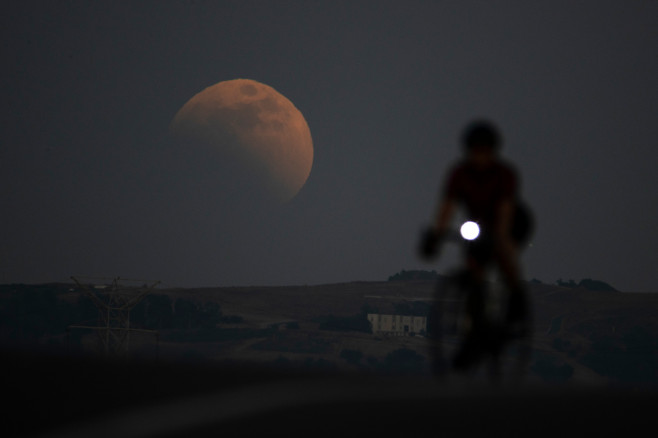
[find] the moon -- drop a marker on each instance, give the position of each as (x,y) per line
(256,140)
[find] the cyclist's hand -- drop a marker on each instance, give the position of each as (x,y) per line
(430,244)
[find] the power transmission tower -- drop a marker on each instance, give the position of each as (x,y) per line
(114,302)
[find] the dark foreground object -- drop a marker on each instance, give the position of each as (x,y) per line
(81,397)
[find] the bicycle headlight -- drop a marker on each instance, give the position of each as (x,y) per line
(470,230)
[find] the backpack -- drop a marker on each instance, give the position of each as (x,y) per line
(523,224)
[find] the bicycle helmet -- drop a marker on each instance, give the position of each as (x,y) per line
(481,133)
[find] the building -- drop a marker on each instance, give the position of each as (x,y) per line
(398,325)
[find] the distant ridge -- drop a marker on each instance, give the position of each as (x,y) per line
(405,275)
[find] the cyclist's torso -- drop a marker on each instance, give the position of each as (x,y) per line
(481,190)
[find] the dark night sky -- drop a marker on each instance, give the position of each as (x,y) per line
(91,185)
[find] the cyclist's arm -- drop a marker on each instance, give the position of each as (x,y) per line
(444,214)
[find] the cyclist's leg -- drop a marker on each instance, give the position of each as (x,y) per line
(474,342)
(517,333)
(435,320)
(517,302)
(445,328)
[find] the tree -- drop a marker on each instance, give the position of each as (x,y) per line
(596,285)
(414,275)
(358,322)
(154,312)
(184,314)
(209,315)
(587,283)
(570,284)
(415,308)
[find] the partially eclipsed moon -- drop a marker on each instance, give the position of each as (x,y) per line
(258,137)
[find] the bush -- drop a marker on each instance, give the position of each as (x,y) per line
(546,368)
(351,356)
(403,361)
(190,315)
(357,323)
(631,359)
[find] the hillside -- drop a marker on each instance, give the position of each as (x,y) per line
(579,335)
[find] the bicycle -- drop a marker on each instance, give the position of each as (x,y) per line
(468,328)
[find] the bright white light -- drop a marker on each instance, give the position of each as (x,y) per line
(470,230)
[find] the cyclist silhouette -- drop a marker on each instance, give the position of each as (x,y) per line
(487,188)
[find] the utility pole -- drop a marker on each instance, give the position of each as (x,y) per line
(114,302)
